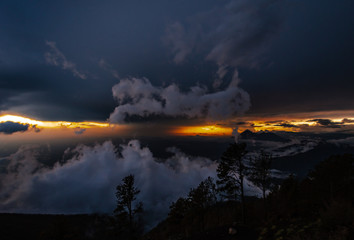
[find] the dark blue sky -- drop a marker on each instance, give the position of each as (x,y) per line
(60,59)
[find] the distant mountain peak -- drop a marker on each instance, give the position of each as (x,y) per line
(262,136)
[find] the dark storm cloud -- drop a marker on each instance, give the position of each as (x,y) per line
(287,125)
(55,106)
(12,127)
(323,122)
(281,49)
(234,35)
(313,48)
(326,123)
(242,123)
(54,94)
(346,120)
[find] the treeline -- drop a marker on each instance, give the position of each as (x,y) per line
(319,206)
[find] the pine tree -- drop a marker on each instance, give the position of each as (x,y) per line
(127,210)
(231,172)
(260,175)
(204,195)
(195,205)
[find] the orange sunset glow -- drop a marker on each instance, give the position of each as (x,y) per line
(215,129)
(209,130)
(51,124)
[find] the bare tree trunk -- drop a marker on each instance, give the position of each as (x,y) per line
(130,220)
(264,203)
(130,214)
(243,201)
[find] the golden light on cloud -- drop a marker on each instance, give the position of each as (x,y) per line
(51,124)
(59,130)
(288,125)
(207,130)
(259,126)
(300,125)
(55,129)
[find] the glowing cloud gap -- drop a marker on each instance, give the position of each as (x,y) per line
(209,130)
(51,124)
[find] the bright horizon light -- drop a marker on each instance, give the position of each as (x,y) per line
(214,129)
(51,124)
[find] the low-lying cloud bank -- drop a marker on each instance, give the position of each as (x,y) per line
(86,182)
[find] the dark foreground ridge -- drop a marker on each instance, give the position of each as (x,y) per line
(50,226)
(319,206)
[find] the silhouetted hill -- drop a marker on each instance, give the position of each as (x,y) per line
(48,226)
(302,163)
(319,207)
(262,136)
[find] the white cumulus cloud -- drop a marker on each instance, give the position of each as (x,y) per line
(137,96)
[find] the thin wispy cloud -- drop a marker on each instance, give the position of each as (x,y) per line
(107,67)
(56,58)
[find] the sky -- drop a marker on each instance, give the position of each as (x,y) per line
(59,60)
(83,83)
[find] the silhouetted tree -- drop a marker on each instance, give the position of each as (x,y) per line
(231,172)
(179,209)
(334,177)
(204,195)
(126,210)
(198,198)
(195,205)
(318,207)
(259,174)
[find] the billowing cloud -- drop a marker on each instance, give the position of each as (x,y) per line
(139,97)
(233,35)
(57,58)
(12,127)
(86,182)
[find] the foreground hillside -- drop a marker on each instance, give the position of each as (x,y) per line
(320,206)
(42,226)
